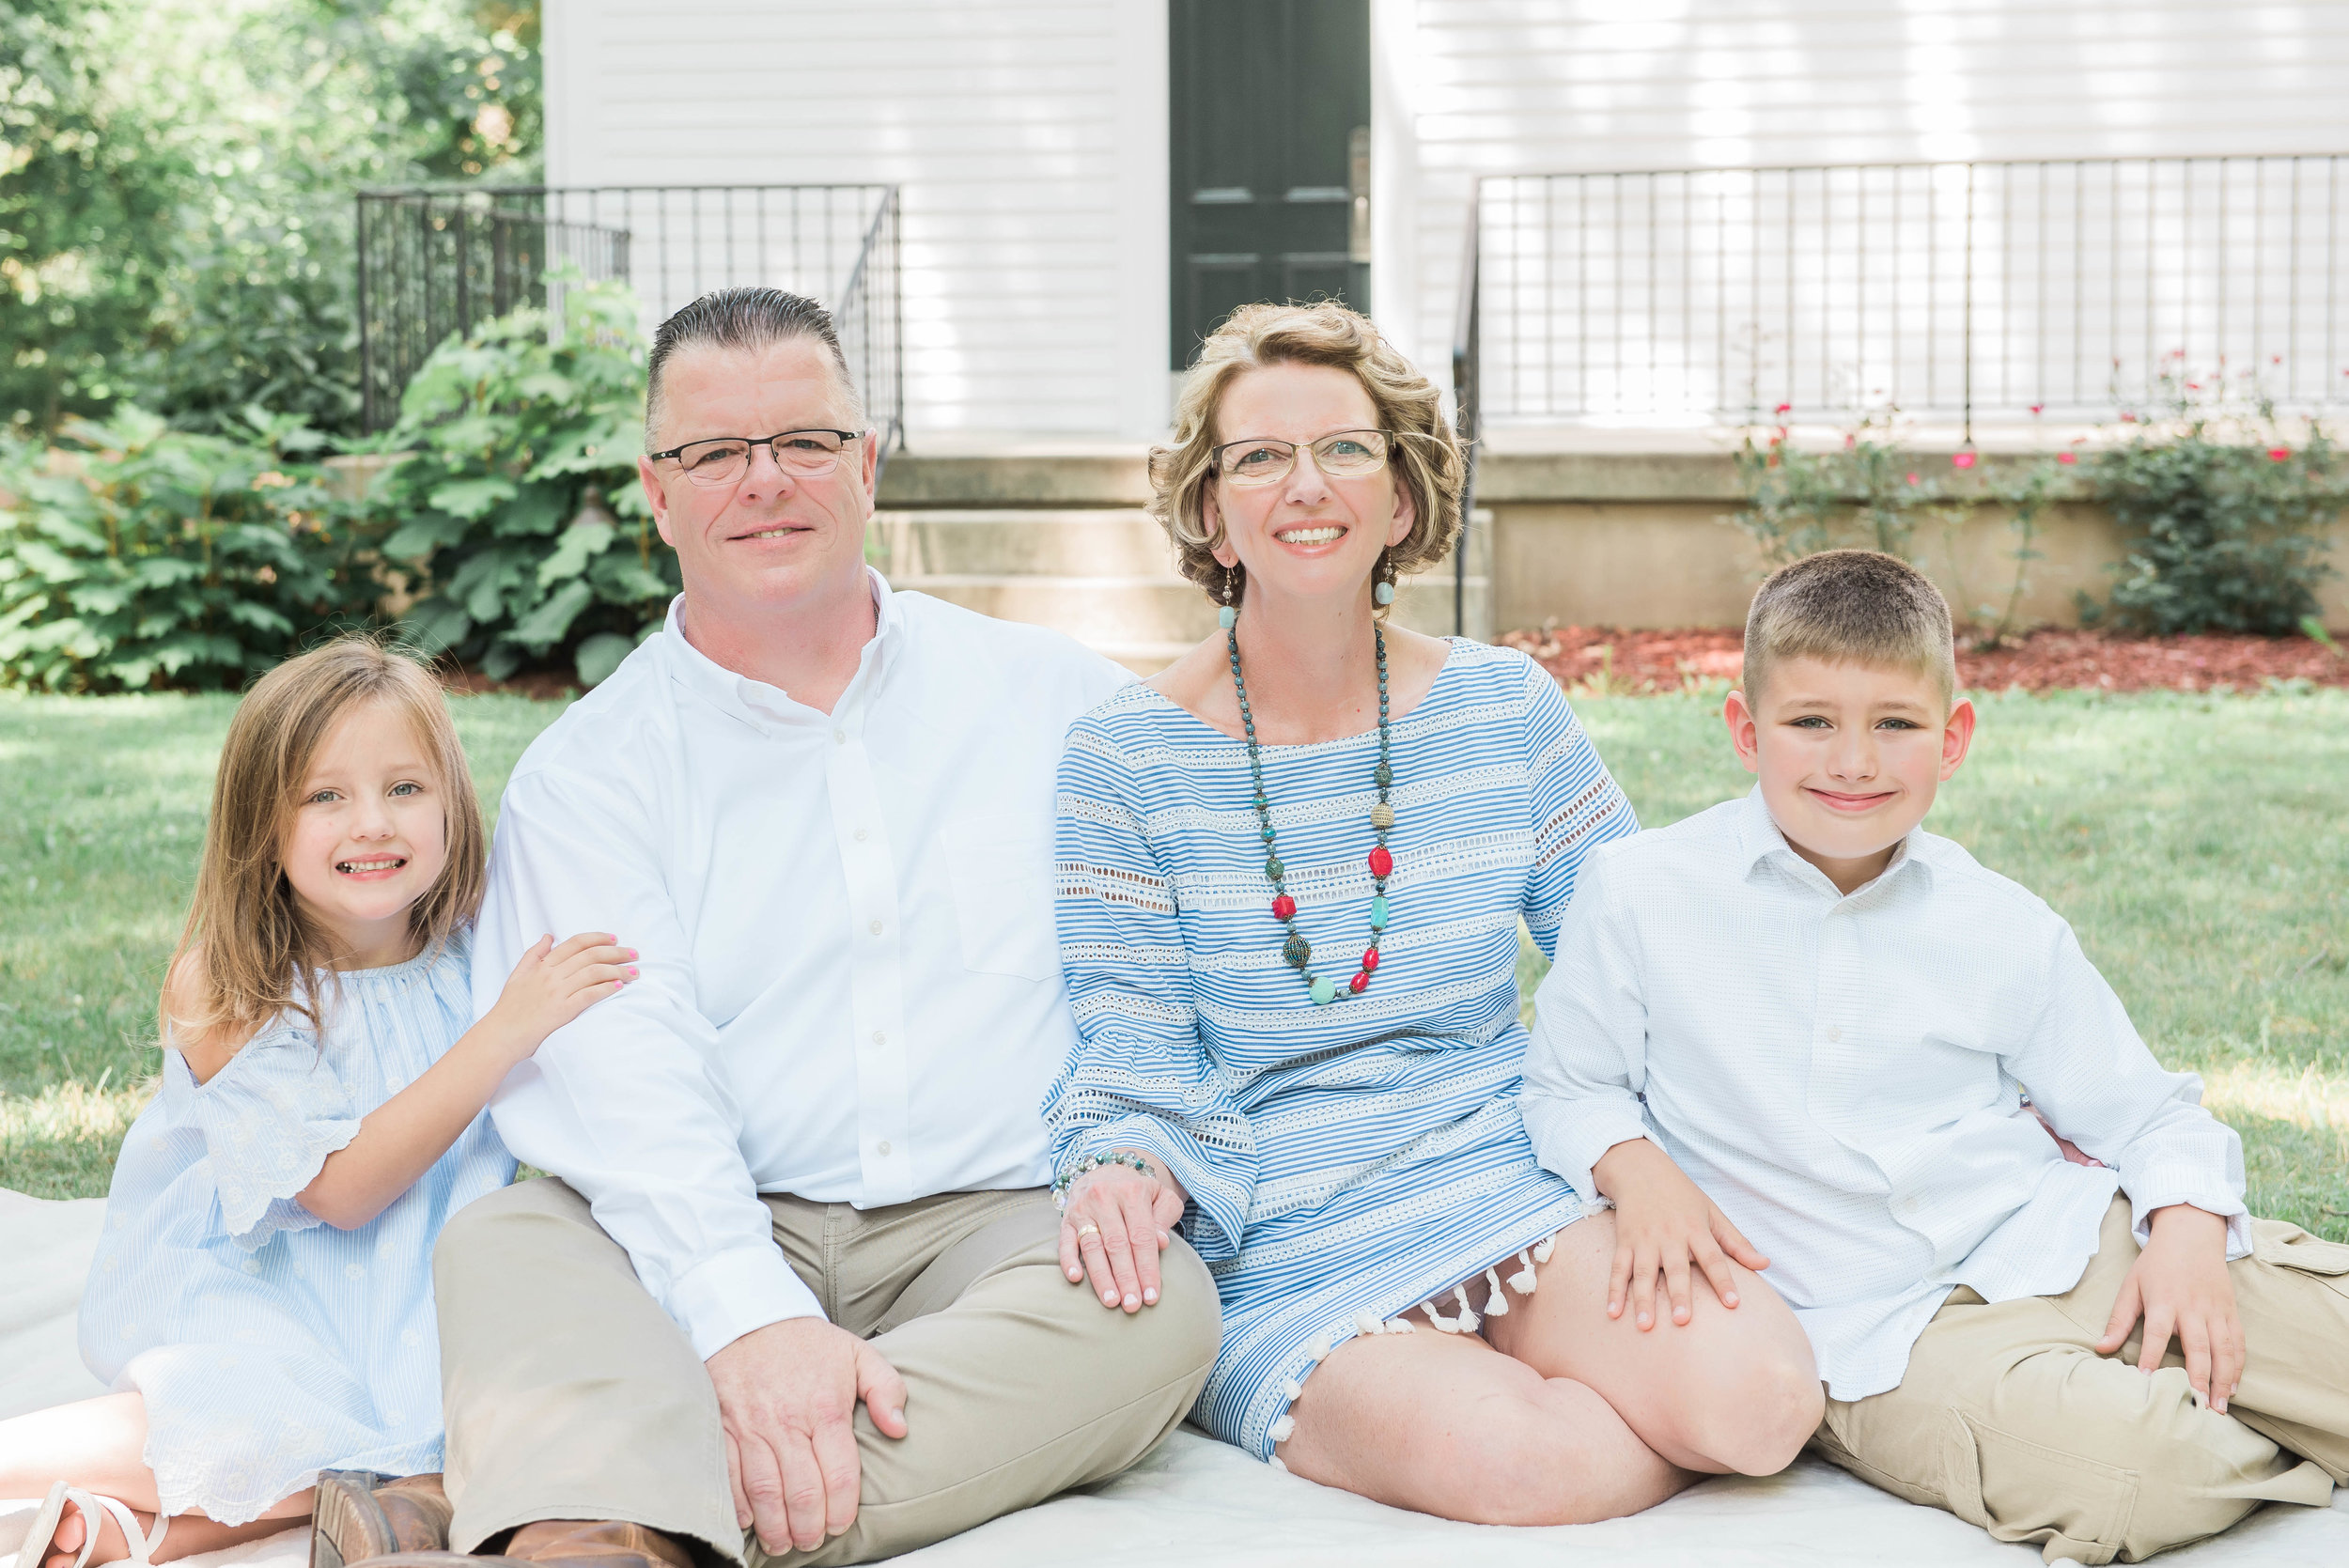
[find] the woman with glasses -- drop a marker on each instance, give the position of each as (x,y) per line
(1292,872)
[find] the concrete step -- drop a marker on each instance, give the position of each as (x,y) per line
(1106,576)
(1086,542)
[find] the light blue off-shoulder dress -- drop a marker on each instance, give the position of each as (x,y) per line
(1350,1162)
(268,1344)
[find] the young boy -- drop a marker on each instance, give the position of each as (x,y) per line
(1806,1010)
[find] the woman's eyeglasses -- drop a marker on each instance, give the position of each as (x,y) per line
(1340,455)
(723,460)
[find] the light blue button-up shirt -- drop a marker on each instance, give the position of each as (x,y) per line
(1842,1075)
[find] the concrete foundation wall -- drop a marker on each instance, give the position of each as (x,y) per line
(1651,540)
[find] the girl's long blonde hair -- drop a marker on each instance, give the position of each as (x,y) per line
(246,949)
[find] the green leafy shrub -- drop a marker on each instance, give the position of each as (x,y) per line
(1869,496)
(175,180)
(516,500)
(2223,527)
(147,557)
(1874,494)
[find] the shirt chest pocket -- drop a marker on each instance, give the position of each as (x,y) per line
(1003,888)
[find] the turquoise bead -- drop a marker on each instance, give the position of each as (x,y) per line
(1384,593)
(1324,993)
(1228,617)
(1378,913)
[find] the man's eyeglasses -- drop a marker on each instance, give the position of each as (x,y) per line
(723,460)
(1340,455)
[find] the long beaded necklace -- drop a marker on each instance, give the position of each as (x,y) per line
(1296,950)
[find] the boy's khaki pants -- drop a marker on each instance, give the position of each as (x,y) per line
(2009,1419)
(571,1395)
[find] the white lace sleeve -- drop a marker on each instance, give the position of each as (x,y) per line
(269,1118)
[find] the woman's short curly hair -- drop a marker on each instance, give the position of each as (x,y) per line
(1425,455)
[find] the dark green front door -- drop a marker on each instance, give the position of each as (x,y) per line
(1271,156)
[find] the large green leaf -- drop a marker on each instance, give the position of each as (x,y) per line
(475,497)
(588,535)
(545,625)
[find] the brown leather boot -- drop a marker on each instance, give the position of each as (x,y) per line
(358,1514)
(596,1544)
(561,1544)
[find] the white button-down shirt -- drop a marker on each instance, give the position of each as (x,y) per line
(850,988)
(1842,1075)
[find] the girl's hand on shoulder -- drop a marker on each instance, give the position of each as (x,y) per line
(552,984)
(1664,1223)
(1116,1223)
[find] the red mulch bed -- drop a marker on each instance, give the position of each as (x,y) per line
(2040,661)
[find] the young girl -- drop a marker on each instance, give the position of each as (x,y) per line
(261,1299)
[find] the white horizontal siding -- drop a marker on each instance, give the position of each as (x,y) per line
(1029,137)
(1492,86)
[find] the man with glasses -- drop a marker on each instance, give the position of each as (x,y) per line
(794,1295)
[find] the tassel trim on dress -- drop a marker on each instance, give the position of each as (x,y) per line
(1496,1305)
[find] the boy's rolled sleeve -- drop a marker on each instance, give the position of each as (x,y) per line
(2092,1074)
(1586,1061)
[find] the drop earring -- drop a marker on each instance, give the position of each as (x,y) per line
(1228,617)
(1382,585)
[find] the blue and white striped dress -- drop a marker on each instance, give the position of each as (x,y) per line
(1353,1160)
(268,1345)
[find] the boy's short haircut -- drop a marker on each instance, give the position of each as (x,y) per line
(1850,607)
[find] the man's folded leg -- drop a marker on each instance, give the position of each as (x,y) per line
(1019,1387)
(569,1393)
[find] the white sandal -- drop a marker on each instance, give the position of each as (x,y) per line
(94,1509)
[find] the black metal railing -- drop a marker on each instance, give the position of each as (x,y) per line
(1467,411)
(435,260)
(1968,291)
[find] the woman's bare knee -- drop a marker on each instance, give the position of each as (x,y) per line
(1563,1457)
(1756,1418)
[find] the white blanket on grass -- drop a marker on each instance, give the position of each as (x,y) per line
(1197,1502)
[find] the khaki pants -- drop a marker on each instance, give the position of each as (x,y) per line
(2008,1417)
(571,1395)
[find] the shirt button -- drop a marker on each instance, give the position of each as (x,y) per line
(876,928)
(883,1145)
(840,737)
(860,836)
(1835,1032)
(879,1038)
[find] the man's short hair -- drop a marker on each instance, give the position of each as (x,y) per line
(1850,607)
(744,319)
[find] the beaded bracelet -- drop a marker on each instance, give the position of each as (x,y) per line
(1066,1179)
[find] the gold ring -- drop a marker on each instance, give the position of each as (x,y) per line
(1087,1229)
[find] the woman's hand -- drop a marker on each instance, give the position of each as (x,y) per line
(1117,1221)
(552,986)
(1663,1220)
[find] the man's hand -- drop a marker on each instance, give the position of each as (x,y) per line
(1662,1222)
(787,1396)
(2179,1285)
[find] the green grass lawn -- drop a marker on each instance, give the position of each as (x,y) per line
(2200,844)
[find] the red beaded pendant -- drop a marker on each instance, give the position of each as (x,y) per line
(1380,861)
(1284,907)
(1360,984)
(1370,960)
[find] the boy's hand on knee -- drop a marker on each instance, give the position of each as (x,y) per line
(2178,1287)
(1663,1223)
(787,1395)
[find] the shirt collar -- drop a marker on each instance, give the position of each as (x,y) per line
(740,694)
(1759,839)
